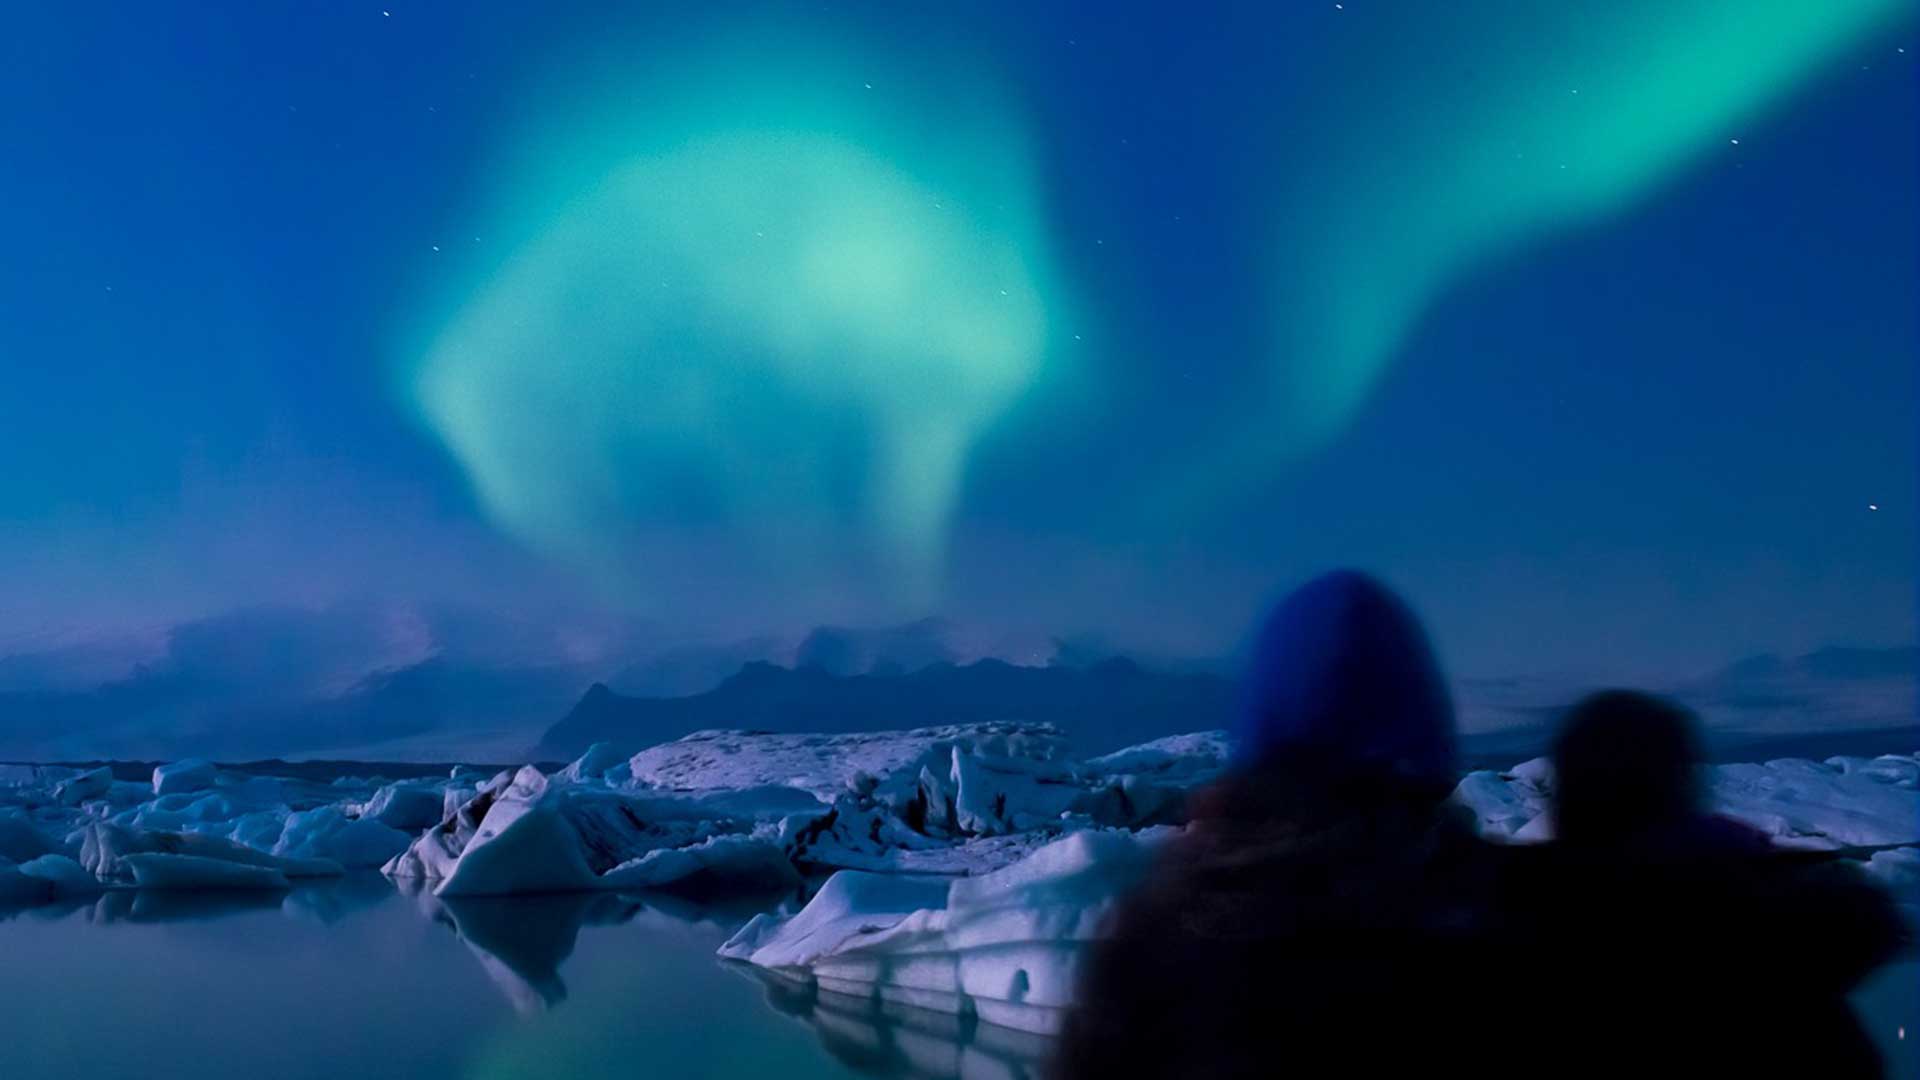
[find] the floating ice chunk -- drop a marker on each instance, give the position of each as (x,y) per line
(63,876)
(327,833)
(1502,807)
(510,838)
(523,833)
(1019,933)
(1808,804)
(22,775)
(1536,773)
(92,784)
(453,797)
(408,807)
(735,861)
(1198,757)
(883,765)
(18,888)
(1899,870)
(106,847)
(1537,831)
(157,870)
(126,793)
(591,765)
(993,795)
(260,829)
(851,906)
(1003,946)
(1841,802)
(1898,770)
(191,774)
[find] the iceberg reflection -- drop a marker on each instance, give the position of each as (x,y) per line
(889,1039)
(521,941)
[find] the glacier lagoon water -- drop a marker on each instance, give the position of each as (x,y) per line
(351,980)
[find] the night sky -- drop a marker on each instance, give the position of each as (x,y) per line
(1594,331)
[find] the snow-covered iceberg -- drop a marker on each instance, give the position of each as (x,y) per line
(119,855)
(77,789)
(1002,947)
(192,774)
(407,807)
(736,811)
(523,833)
(1842,802)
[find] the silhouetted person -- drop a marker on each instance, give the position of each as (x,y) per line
(1326,911)
(1627,775)
(1664,938)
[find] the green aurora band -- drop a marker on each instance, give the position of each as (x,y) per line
(752,301)
(776,312)
(1470,131)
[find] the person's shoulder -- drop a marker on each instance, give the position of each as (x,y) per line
(1722,835)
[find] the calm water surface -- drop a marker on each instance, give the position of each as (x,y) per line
(351,980)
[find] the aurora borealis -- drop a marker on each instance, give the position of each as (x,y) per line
(1589,325)
(1554,117)
(757,319)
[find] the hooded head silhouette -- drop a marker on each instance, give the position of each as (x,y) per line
(1342,676)
(1625,764)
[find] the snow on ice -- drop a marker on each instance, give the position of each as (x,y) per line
(965,867)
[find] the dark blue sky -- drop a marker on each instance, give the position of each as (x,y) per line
(1633,426)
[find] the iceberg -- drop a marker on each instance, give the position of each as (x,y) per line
(1002,948)
(192,774)
(1822,804)
(593,764)
(522,833)
(409,807)
(739,861)
(1840,803)
(93,784)
(828,766)
(327,833)
(106,850)
(906,823)
(63,876)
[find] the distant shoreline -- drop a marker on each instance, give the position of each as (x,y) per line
(325,770)
(1485,750)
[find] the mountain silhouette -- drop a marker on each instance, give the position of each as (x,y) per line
(1100,707)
